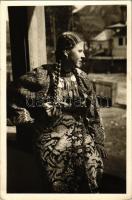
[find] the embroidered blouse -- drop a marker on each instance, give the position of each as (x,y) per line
(30,98)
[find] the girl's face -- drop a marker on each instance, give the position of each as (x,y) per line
(76,55)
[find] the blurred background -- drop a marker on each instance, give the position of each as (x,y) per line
(31,41)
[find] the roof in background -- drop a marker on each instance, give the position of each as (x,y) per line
(77,8)
(104,35)
(119,25)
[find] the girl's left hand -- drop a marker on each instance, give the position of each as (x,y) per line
(48,108)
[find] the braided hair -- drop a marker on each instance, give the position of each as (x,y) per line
(56,79)
(82,88)
(66,41)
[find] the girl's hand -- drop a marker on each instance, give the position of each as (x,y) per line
(49,108)
(52,109)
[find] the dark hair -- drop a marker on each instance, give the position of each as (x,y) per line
(66,41)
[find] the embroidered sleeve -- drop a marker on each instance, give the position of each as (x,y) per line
(25,95)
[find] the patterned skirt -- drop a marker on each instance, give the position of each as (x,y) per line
(69,157)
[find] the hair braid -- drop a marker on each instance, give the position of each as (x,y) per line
(56,80)
(81,88)
(80,85)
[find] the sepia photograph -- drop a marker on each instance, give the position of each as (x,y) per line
(67,99)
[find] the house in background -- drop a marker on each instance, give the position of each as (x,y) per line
(110,42)
(119,40)
(102,43)
(108,50)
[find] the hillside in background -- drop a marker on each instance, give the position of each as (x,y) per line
(93,19)
(88,21)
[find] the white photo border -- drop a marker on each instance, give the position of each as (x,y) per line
(3,165)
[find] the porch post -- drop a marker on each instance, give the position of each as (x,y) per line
(36,36)
(28,38)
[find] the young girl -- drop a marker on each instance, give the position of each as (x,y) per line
(58,106)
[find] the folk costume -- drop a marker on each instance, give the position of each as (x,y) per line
(67,132)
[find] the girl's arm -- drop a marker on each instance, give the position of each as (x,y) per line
(25,95)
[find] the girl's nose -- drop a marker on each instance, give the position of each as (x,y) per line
(83,55)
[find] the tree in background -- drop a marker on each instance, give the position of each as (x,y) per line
(57,21)
(91,20)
